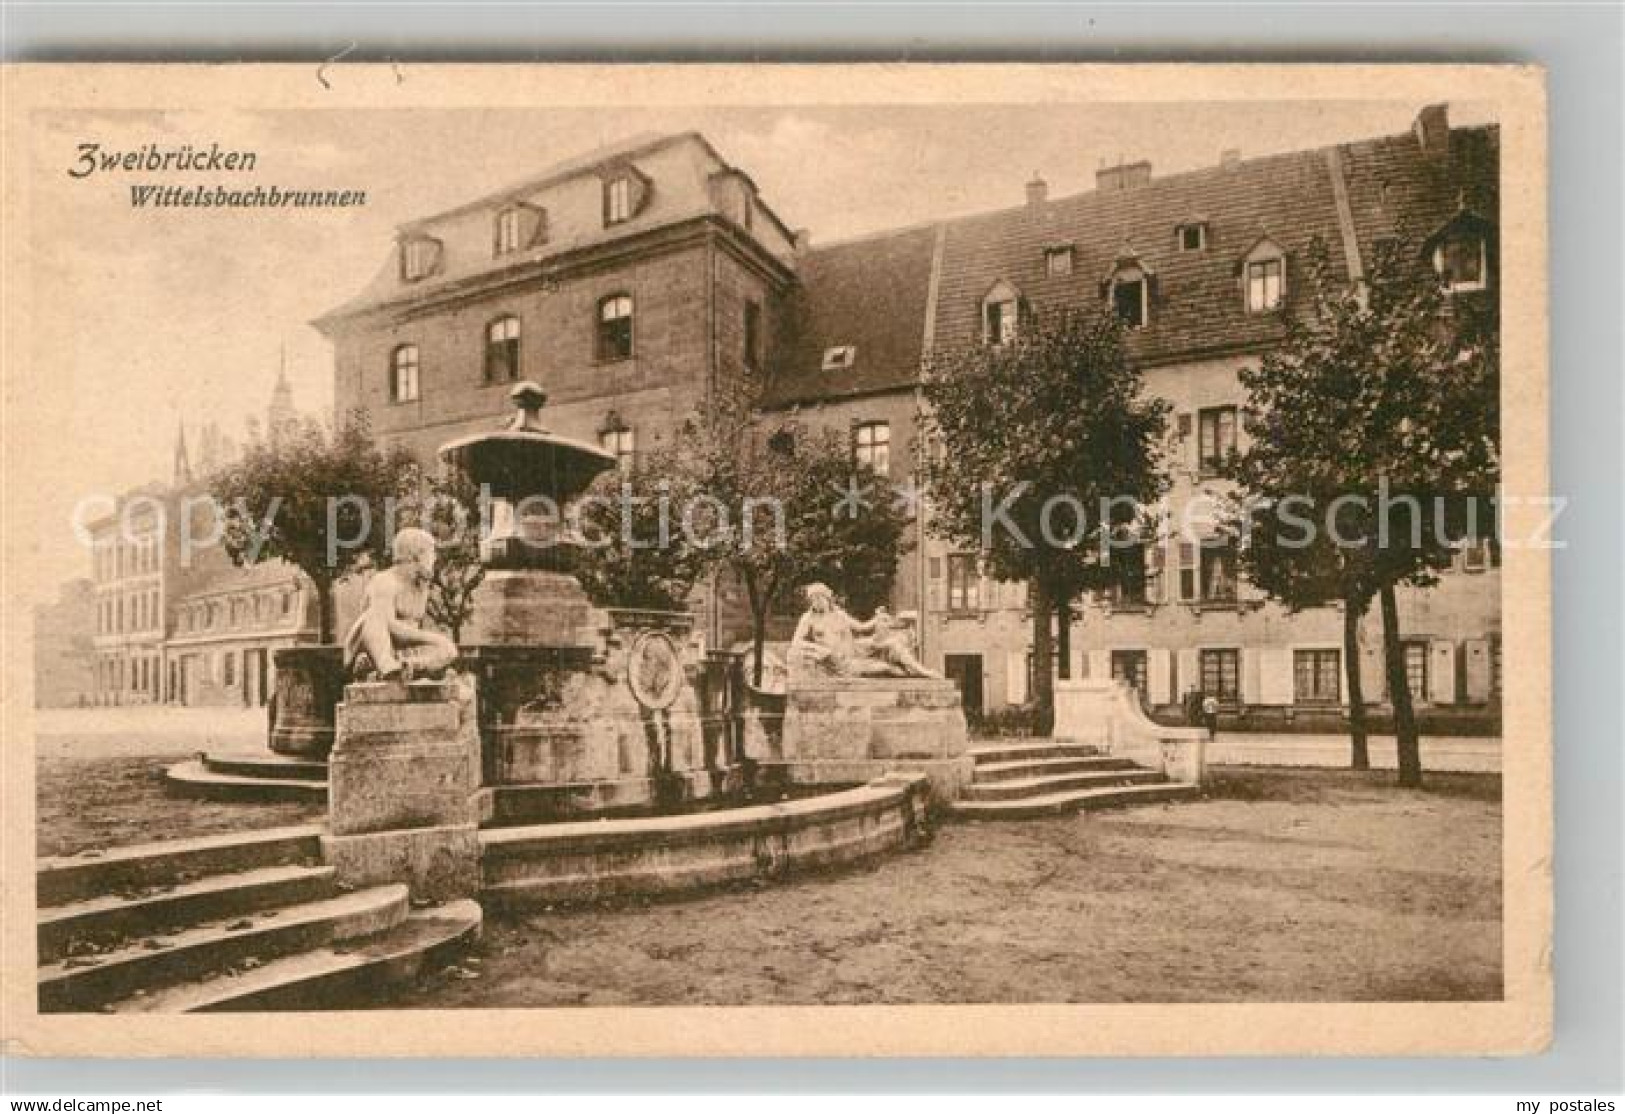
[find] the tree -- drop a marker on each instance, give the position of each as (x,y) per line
(1045,453)
(785,507)
(1383,396)
(638,555)
(319,497)
(453,512)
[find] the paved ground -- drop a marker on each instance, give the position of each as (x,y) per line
(1284,886)
(128,732)
(104,802)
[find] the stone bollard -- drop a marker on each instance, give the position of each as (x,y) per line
(401,788)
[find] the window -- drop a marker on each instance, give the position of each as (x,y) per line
(1416,669)
(1130,666)
(839,357)
(1221,675)
(621,442)
(1264,284)
(1475,555)
(1218,573)
(1316,677)
(403,374)
(287,603)
(1216,437)
(753,335)
(1461,263)
(228,673)
(615,327)
(1495,665)
(502,350)
(1058,261)
(1130,588)
(871,446)
(1188,569)
(418,258)
(964,583)
(1192,237)
(1001,320)
(618,199)
(1130,293)
(507,231)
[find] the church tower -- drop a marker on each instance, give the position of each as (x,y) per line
(280,417)
(183,463)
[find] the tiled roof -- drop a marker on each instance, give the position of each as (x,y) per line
(266,574)
(1394,189)
(867,294)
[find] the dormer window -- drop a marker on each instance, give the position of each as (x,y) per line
(507,231)
(1001,314)
(1058,260)
(1462,263)
(1263,277)
(1192,236)
(618,200)
(1131,296)
(420,257)
(840,357)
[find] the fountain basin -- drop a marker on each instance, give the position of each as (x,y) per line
(551,864)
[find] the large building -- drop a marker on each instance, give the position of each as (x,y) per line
(64,647)
(635,281)
(174,622)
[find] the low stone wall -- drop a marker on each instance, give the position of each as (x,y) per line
(592,860)
(1446,754)
(1107,714)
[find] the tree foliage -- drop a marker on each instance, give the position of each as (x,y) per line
(638,555)
(1045,453)
(318,497)
(786,506)
(1389,390)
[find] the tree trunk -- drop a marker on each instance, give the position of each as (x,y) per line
(1353,611)
(1399,694)
(1063,639)
(324,611)
(1043,693)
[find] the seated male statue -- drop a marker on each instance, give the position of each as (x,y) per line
(387,642)
(831,642)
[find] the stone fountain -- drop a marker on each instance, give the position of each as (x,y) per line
(584,711)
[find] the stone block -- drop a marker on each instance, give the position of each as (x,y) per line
(857,719)
(403,763)
(436,863)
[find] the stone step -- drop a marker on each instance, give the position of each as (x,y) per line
(112,917)
(193,778)
(334,976)
(1015,752)
(1054,804)
(92,873)
(1043,767)
(267,765)
(1019,788)
(91,982)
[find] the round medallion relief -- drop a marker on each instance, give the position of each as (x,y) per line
(654,670)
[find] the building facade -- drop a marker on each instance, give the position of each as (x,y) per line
(64,647)
(634,282)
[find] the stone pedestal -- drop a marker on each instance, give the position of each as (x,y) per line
(309,685)
(402,780)
(848,729)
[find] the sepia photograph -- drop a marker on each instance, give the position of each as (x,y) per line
(538,553)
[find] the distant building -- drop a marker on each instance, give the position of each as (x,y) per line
(635,281)
(64,648)
(182,627)
(228,628)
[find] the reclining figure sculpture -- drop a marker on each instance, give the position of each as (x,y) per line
(831,643)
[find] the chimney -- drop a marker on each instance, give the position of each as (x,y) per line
(1432,130)
(1230,158)
(1037,191)
(1123,176)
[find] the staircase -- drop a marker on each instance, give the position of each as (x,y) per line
(1020,781)
(234,922)
(253,778)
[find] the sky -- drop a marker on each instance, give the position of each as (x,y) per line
(143,319)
